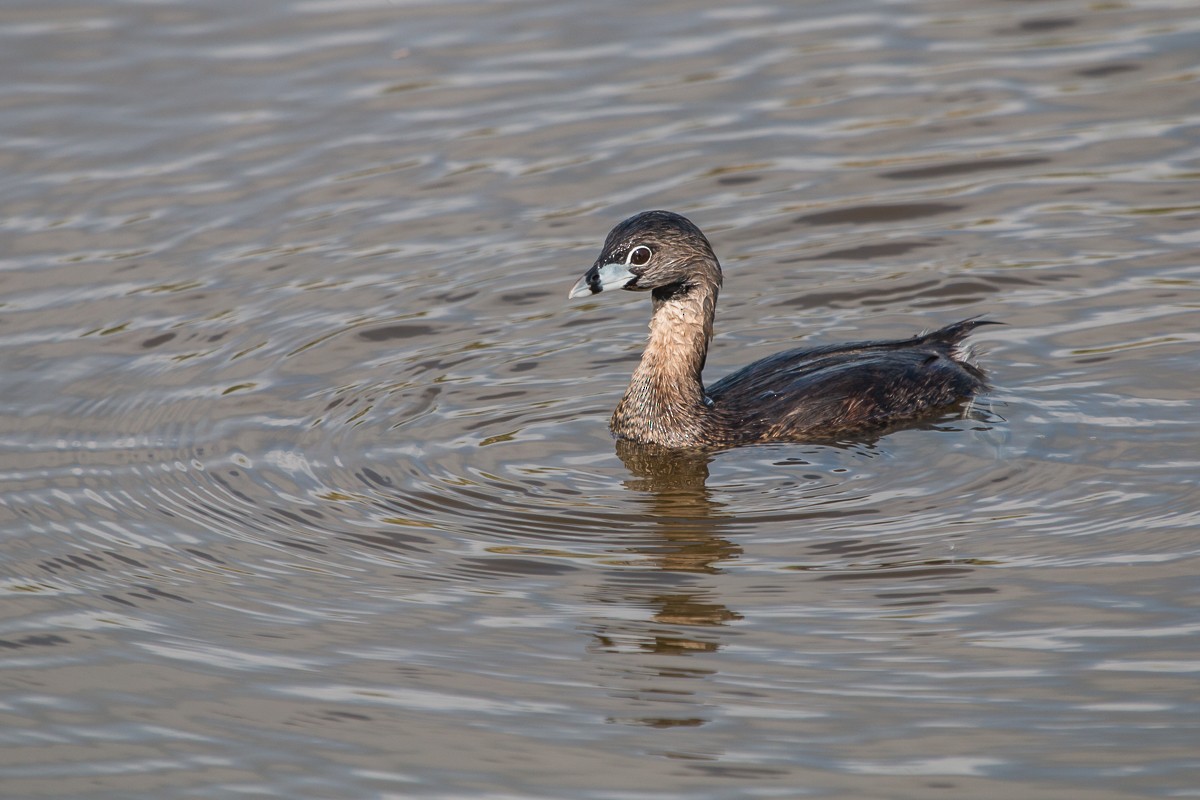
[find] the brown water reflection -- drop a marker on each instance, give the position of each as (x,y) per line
(687,539)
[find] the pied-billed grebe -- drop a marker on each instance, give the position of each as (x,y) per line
(798,395)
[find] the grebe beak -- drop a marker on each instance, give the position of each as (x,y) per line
(601,277)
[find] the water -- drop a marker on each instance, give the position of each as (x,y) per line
(307,488)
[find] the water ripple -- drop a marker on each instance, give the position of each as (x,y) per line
(302,448)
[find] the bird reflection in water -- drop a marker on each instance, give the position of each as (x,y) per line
(687,617)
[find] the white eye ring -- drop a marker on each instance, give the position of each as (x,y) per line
(639,256)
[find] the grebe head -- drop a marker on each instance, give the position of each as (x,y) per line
(651,250)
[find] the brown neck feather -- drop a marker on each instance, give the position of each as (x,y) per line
(665,401)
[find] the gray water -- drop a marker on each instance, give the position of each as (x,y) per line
(306,479)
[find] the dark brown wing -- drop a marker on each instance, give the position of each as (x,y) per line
(825,390)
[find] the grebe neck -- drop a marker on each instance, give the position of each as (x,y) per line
(665,402)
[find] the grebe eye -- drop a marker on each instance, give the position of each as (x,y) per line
(638,256)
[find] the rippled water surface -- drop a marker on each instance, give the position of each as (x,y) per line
(306,484)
